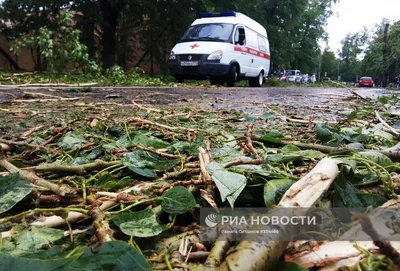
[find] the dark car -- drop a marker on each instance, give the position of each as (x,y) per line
(366,82)
(280,73)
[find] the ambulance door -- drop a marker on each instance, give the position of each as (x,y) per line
(241,51)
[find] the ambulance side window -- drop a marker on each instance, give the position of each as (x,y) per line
(240,36)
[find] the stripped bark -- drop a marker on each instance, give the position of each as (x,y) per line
(100,223)
(263,253)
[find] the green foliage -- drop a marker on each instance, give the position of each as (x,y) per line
(142,223)
(177,200)
(229,184)
(12,191)
(60,48)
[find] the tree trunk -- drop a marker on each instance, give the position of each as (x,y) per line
(10,59)
(109,39)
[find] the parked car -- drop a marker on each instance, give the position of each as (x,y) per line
(366,82)
(326,79)
(294,76)
(305,78)
(279,73)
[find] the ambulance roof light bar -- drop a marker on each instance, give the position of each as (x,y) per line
(218,14)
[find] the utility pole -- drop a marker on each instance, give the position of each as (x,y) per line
(385,51)
(320,66)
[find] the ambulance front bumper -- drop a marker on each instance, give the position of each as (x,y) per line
(197,67)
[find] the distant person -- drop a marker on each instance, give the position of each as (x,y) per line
(398,81)
(313,79)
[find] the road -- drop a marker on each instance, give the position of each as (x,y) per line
(296,100)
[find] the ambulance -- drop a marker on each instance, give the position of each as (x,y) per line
(224,47)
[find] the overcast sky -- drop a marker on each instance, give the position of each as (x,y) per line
(353,15)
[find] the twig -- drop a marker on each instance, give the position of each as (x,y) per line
(81,169)
(61,190)
(143,121)
(30,131)
(385,247)
(159,153)
(391,129)
(257,161)
(146,108)
(45,100)
(179,183)
(16,143)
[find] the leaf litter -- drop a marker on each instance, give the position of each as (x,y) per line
(100,186)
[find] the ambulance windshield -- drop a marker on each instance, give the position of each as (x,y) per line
(208,32)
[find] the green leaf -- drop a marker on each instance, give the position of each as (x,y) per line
(251,117)
(149,164)
(270,139)
(290,148)
(143,223)
(71,141)
(149,141)
(114,255)
(346,195)
(292,156)
(377,157)
(323,133)
(229,184)
(12,190)
(268,116)
(32,240)
(177,200)
(364,179)
(275,189)
(108,182)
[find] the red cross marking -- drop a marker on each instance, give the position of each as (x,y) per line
(194,46)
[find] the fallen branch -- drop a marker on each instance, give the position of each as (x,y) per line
(143,121)
(17,143)
(61,190)
(81,169)
(45,100)
(262,254)
(336,254)
(103,231)
(391,129)
(26,134)
(37,94)
(392,152)
(384,246)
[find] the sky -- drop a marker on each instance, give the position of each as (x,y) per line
(353,15)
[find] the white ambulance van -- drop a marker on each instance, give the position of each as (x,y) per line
(223,47)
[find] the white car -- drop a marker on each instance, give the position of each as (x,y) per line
(294,76)
(224,47)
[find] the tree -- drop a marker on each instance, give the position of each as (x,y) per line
(59,48)
(349,55)
(26,17)
(329,64)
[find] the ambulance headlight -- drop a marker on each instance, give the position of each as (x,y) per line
(172,56)
(217,55)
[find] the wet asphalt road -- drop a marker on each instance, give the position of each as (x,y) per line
(251,100)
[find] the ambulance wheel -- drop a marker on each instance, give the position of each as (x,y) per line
(257,81)
(217,81)
(232,76)
(179,79)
